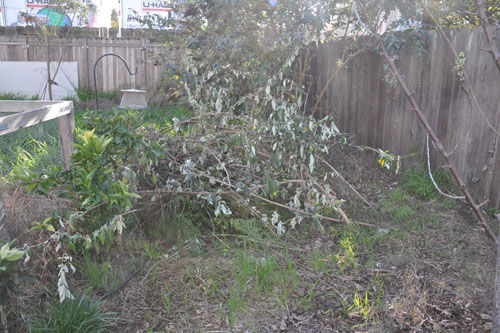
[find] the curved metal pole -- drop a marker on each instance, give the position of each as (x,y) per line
(95,78)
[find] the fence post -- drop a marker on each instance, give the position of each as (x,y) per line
(4,233)
(87,63)
(66,136)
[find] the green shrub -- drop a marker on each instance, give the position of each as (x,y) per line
(9,270)
(417,182)
(74,315)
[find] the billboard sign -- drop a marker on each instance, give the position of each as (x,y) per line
(135,11)
(17,13)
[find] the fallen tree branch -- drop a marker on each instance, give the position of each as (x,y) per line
(425,123)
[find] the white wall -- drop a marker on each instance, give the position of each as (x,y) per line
(30,78)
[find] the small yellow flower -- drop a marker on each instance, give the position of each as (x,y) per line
(177,77)
(381,162)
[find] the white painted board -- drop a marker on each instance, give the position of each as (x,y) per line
(29,78)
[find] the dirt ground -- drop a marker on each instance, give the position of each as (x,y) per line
(421,266)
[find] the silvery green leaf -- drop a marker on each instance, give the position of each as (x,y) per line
(311,163)
(62,284)
(218,105)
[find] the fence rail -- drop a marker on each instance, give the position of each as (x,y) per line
(380,116)
(147,56)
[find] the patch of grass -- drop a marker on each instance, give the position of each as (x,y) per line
(85,94)
(361,307)
(346,256)
(321,261)
(258,275)
(74,315)
(404,213)
(493,211)
(162,116)
(165,296)
(307,301)
(100,275)
(398,196)
(12,96)
(416,182)
(34,148)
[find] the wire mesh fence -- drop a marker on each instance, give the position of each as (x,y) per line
(35,148)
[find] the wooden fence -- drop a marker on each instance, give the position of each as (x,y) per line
(380,115)
(111,74)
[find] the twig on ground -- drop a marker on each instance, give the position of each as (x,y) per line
(123,284)
(347,183)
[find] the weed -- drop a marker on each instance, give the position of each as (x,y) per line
(404,213)
(493,211)
(399,196)
(346,257)
(85,94)
(74,315)
(307,301)
(162,117)
(12,96)
(378,288)
(321,261)
(165,295)
(235,302)
(416,182)
(100,275)
(152,251)
(361,307)
(213,286)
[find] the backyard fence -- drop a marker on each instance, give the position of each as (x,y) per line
(147,56)
(380,116)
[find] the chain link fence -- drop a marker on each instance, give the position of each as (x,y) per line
(35,148)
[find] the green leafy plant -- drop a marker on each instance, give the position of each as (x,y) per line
(9,270)
(387,160)
(74,315)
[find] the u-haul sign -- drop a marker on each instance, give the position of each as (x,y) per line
(135,11)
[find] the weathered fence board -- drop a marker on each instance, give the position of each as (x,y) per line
(111,73)
(380,116)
